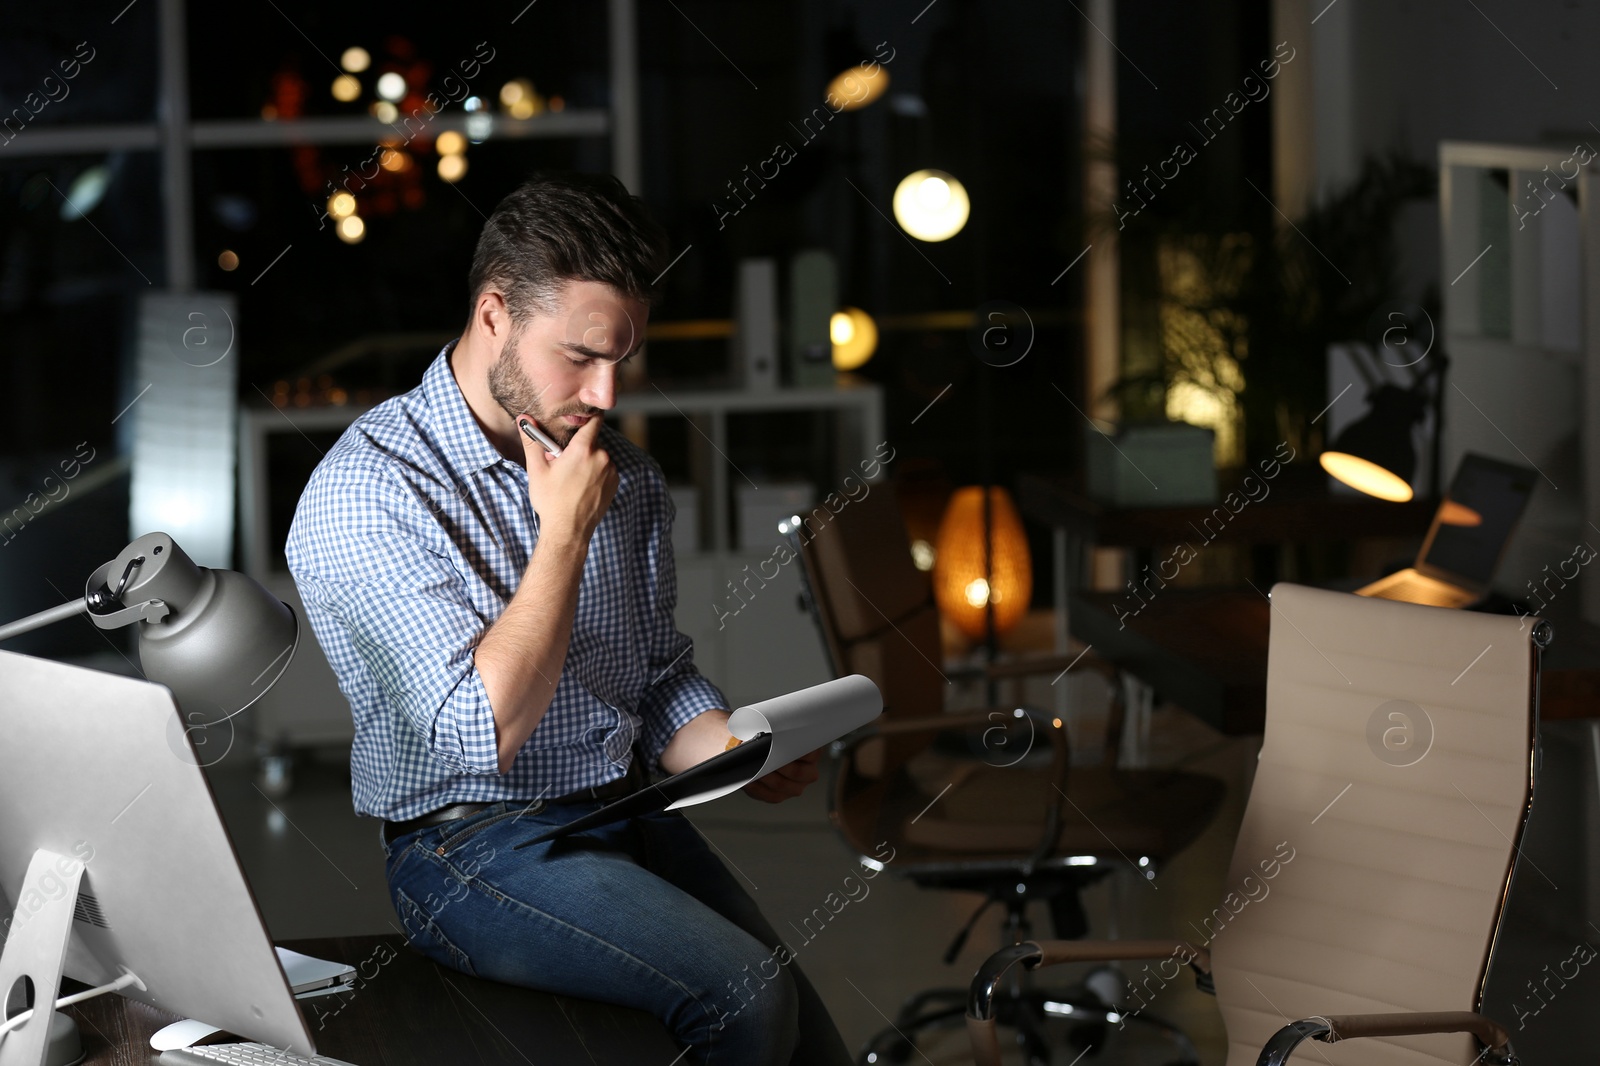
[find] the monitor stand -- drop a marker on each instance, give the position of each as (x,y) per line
(35,951)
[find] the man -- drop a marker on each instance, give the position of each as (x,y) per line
(501,621)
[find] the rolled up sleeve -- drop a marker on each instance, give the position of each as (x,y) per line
(678,692)
(382,598)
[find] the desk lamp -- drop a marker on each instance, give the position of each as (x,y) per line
(216,638)
(1375,454)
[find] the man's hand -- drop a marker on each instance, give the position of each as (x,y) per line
(706,735)
(570,492)
(786,782)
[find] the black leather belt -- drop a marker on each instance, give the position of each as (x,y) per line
(627,784)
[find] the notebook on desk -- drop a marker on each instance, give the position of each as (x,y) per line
(1469,534)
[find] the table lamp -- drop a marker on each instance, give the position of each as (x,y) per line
(216,638)
(1375,453)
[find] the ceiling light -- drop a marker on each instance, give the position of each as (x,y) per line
(931,205)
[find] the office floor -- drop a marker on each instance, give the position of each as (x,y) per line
(317,871)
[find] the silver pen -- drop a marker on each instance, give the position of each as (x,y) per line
(534,433)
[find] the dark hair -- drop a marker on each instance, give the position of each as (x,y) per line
(558,227)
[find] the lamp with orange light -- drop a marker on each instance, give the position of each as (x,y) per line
(1375,453)
(968,581)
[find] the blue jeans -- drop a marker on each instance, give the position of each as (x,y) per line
(639,913)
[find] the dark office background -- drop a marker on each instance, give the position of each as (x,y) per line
(987,92)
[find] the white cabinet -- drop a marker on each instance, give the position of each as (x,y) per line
(758,645)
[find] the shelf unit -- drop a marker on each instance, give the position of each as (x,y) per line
(857,431)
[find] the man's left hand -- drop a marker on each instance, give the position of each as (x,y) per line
(787,781)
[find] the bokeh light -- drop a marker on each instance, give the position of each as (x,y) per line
(452,167)
(931,205)
(854,336)
(391,86)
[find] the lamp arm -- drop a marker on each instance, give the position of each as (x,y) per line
(44,618)
(1370,376)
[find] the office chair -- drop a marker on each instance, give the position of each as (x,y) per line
(1003,814)
(1368,883)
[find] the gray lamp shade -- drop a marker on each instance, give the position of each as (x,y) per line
(226,641)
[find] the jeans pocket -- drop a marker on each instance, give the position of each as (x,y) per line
(424,934)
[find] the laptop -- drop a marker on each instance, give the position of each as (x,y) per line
(1469,534)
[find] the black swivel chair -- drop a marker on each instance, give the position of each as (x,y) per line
(1017,823)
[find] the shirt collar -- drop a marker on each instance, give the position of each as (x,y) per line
(458,431)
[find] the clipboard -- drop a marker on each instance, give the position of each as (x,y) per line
(775,732)
(734,768)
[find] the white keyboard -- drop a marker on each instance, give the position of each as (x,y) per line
(243,1055)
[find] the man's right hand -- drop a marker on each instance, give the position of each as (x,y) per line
(570,492)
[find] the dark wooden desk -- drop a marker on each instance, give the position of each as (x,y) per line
(413,1012)
(1290,514)
(1565,694)
(1205,649)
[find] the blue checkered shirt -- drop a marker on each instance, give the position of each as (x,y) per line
(411,538)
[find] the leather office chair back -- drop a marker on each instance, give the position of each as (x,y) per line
(1377,845)
(877,610)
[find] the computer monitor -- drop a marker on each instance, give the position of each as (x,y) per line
(98,769)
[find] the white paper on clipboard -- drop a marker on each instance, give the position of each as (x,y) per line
(800,722)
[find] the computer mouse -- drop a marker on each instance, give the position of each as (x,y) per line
(181,1034)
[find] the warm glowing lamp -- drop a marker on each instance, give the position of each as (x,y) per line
(1374,453)
(962,584)
(931,205)
(854,336)
(452,167)
(391,86)
(519,99)
(853,88)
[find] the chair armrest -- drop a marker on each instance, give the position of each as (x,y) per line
(932,723)
(1028,667)
(1049,664)
(1035,953)
(1061,758)
(1490,1034)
